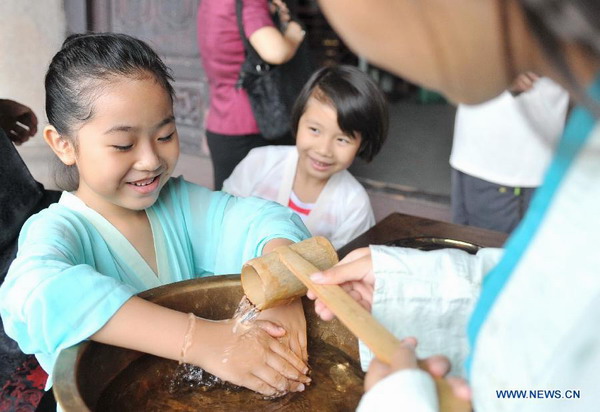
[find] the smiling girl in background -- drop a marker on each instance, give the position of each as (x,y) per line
(125,225)
(340,114)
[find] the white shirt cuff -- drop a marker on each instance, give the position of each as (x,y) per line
(406,390)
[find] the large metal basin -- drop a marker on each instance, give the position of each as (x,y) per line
(84,372)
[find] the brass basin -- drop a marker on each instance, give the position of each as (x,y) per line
(84,371)
(427,243)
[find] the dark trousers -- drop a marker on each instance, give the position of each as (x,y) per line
(227,151)
(477,202)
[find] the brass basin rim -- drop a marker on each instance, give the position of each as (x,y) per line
(435,242)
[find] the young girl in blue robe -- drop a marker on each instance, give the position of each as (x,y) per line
(124,225)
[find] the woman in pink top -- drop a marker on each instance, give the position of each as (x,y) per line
(231,129)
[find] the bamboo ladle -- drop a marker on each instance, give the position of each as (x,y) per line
(356,318)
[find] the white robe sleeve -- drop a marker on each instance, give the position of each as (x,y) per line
(358,220)
(246,174)
(429,295)
(406,390)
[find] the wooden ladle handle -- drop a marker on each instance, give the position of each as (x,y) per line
(361,323)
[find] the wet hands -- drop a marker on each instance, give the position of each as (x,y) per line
(18,121)
(291,318)
(249,356)
(354,274)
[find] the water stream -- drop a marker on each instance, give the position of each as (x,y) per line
(246,313)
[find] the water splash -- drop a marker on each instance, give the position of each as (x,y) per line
(190,377)
(246,313)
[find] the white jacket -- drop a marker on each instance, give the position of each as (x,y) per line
(342,211)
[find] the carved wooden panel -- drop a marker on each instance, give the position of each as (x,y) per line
(169,26)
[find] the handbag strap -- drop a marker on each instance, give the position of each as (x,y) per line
(249,50)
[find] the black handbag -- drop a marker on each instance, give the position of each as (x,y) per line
(272,89)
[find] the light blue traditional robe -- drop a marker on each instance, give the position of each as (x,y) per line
(74,269)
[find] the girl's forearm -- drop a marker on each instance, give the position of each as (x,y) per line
(150,328)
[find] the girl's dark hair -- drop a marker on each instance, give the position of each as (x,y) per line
(74,78)
(361,107)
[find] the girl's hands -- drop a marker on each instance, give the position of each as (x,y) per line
(354,274)
(247,355)
(291,317)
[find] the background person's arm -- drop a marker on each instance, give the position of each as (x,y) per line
(275,47)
